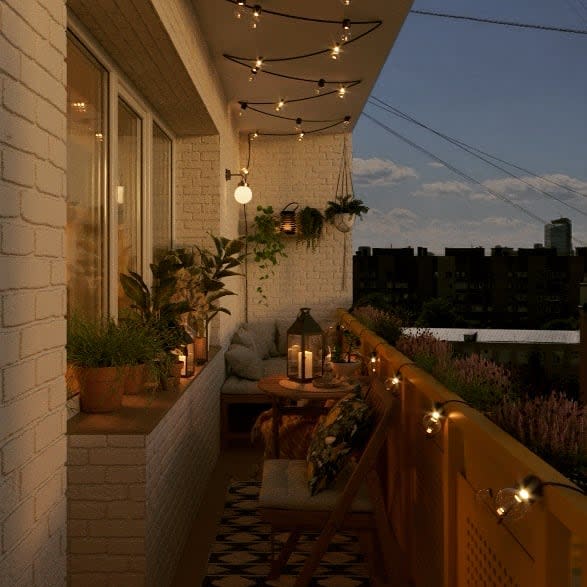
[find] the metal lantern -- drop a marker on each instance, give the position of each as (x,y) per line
(305,346)
(287,219)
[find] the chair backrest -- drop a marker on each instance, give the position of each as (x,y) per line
(381,402)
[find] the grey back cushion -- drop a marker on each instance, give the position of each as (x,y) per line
(244,362)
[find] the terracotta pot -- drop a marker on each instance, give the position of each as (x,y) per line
(345,370)
(72,380)
(201,349)
(134,379)
(101,388)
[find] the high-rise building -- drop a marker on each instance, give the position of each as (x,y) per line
(557,235)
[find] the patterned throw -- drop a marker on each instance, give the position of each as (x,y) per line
(240,555)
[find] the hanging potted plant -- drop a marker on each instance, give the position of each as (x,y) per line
(342,211)
(310,223)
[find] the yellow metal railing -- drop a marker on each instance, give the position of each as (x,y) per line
(444,522)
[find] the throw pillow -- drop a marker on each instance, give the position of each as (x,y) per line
(245,337)
(344,429)
(264,334)
(244,362)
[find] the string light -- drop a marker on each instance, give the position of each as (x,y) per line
(320,86)
(345,2)
(255,17)
(393,381)
(240,9)
(347,120)
(335,51)
(298,126)
(345,35)
(432,421)
(341,92)
(254,71)
(512,503)
(279,106)
(243,107)
(253,135)
(259,62)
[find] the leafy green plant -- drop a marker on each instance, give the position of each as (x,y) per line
(347,204)
(310,223)
(267,244)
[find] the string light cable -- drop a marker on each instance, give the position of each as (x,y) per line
(462,174)
(523,25)
(468,149)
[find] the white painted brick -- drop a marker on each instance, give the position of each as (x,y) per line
(57,10)
(51,119)
(9,200)
(9,347)
(18,524)
(19,99)
(49,179)
(48,430)
(57,36)
(18,380)
(9,58)
(42,83)
(48,495)
(18,31)
(18,414)
(48,57)
(19,308)
(41,336)
(24,135)
(49,566)
(49,242)
(77,456)
(43,466)
(57,518)
(57,152)
(18,451)
(86,475)
(8,494)
(58,273)
(126,440)
(32,14)
(49,303)
(41,209)
(89,441)
(18,167)
(17,239)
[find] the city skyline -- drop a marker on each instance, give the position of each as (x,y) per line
(517,94)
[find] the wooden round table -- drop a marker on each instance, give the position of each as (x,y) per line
(282,396)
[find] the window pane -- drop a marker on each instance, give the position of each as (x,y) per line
(128,195)
(86,208)
(161,202)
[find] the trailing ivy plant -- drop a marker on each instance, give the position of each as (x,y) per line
(267,244)
(310,223)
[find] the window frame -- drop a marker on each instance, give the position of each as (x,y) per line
(119,86)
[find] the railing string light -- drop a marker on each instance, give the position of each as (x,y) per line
(392,382)
(432,421)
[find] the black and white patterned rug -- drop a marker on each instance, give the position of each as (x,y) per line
(240,555)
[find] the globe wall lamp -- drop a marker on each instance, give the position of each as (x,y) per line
(243,193)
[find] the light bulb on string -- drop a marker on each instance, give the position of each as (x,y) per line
(259,62)
(513,502)
(345,33)
(301,136)
(320,86)
(255,17)
(254,72)
(298,126)
(345,2)
(431,422)
(279,106)
(347,120)
(253,135)
(335,51)
(242,109)
(239,9)
(341,92)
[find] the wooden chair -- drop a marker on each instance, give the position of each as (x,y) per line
(355,503)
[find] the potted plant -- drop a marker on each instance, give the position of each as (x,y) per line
(97,350)
(344,356)
(342,211)
(202,276)
(268,245)
(310,223)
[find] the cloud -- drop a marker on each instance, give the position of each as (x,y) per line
(442,188)
(380,172)
(436,164)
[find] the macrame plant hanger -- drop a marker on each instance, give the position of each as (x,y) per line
(344,191)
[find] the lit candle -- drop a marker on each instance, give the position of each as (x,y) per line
(183,361)
(307,364)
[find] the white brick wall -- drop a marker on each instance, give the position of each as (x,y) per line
(284,170)
(32,292)
(132,498)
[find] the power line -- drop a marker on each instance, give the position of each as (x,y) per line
(521,25)
(468,149)
(462,174)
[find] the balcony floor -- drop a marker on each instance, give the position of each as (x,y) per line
(233,465)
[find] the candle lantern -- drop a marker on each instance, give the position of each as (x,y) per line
(305,346)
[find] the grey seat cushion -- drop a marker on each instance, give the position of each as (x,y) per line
(285,486)
(234,384)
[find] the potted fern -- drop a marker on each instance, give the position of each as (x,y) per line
(310,223)
(342,211)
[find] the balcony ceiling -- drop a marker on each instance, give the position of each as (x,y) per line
(278,37)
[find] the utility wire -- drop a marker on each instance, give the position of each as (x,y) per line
(463,146)
(521,25)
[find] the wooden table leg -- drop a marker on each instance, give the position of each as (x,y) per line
(276,422)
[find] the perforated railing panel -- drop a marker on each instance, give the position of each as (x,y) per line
(487,554)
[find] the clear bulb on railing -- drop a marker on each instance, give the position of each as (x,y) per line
(432,422)
(511,503)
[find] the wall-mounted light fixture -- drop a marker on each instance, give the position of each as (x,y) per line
(243,193)
(432,421)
